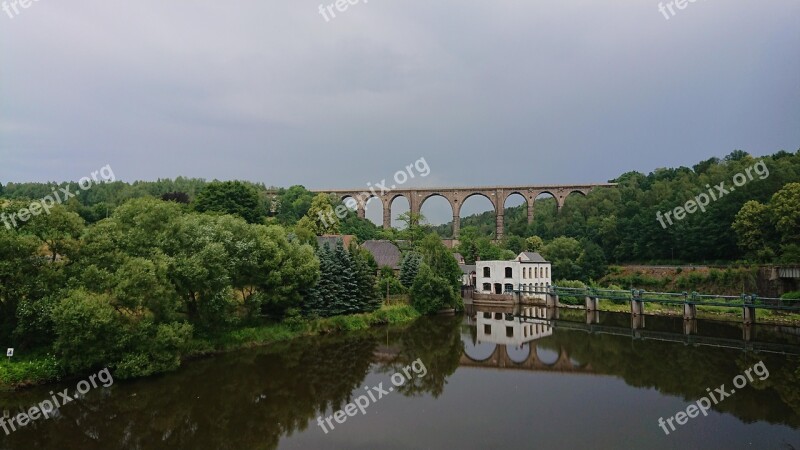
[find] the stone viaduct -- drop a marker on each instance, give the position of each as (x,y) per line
(456,196)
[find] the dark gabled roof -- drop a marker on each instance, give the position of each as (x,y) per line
(384,252)
(467,269)
(459,258)
(534,257)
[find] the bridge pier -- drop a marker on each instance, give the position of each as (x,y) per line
(689,311)
(637,307)
(387,216)
(552,313)
(749,314)
(456,225)
(500,230)
(592,303)
(592,317)
(551,299)
(531,202)
(637,323)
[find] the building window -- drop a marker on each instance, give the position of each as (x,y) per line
(524,273)
(487,287)
(498,288)
(509,272)
(509,288)
(487,315)
(548,272)
(487,272)
(510,332)
(487,329)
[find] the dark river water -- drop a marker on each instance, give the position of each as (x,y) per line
(484,380)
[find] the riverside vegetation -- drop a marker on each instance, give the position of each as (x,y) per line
(137,277)
(159,281)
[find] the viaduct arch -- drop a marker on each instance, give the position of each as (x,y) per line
(456,196)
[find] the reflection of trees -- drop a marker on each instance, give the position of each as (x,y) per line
(240,400)
(687,371)
(436,341)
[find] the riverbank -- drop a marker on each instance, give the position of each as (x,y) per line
(720,313)
(41,367)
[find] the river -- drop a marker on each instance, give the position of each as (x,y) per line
(487,379)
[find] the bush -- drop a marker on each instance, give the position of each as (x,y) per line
(35,369)
(430,293)
(391,285)
(88,331)
(795,295)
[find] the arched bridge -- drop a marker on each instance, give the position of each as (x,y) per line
(456,196)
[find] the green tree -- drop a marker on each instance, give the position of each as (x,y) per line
(431,293)
(60,230)
(409,268)
(413,226)
(515,244)
(563,253)
(322,217)
(785,207)
(534,244)
(293,204)
(752,226)
(440,259)
(231,197)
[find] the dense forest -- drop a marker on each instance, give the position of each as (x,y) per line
(137,277)
(758,221)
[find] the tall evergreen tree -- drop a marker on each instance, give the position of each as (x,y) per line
(368,298)
(409,268)
(348,284)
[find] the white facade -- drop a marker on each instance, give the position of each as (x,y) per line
(528,272)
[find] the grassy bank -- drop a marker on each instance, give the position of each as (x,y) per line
(721,281)
(33,368)
(729,314)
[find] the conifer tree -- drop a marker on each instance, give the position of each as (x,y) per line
(347,303)
(409,268)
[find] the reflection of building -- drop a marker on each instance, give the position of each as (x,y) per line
(528,272)
(503,328)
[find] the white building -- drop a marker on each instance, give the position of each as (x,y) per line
(528,272)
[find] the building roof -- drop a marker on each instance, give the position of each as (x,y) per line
(459,258)
(332,239)
(467,269)
(533,257)
(384,252)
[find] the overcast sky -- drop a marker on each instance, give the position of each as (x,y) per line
(488,92)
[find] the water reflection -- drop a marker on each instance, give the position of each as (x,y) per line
(270,397)
(665,355)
